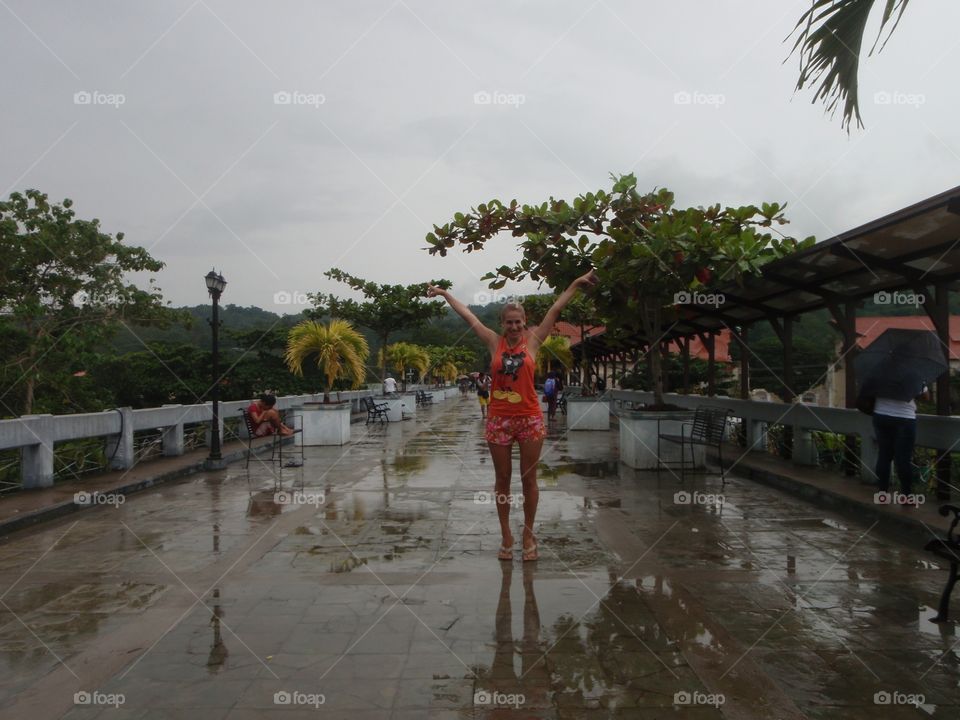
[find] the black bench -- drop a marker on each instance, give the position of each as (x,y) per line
(374,410)
(424,399)
(707,428)
(276,448)
(948,549)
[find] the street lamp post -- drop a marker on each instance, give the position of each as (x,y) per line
(215,286)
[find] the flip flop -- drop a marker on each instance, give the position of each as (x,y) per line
(530,554)
(505,553)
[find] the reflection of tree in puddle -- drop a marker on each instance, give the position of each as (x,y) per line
(263,504)
(600,469)
(403,465)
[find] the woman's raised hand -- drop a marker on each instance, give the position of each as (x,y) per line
(434,291)
(587,280)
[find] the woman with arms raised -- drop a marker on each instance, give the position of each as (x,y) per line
(514,412)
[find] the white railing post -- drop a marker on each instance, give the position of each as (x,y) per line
(36,460)
(120,446)
(172,440)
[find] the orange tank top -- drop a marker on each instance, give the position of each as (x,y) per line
(512,392)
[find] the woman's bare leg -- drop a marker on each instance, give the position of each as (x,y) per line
(529,457)
(503,467)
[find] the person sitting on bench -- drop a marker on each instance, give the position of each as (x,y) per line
(266,419)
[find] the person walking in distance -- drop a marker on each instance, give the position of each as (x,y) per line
(514,411)
(483,393)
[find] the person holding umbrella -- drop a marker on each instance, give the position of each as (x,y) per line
(897,369)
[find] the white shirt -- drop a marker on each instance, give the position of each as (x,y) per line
(895,408)
(390,385)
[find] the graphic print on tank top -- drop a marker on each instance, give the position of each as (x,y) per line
(511,363)
(512,391)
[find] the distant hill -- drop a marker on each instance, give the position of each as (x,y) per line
(232,318)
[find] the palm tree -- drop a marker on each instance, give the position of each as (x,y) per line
(555,349)
(341,351)
(830,38)
(402,355)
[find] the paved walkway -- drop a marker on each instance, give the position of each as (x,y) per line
(375,593)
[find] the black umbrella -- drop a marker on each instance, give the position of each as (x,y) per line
(899,363)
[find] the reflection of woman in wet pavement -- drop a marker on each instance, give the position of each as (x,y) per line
(514,412)
(533,670)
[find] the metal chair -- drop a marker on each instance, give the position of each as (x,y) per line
(707,428)
(276,447)
(374,410)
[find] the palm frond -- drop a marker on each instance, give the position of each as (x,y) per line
(829,39)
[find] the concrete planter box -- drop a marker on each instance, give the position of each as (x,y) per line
(325,424)
(452,392)
(394,405)
(589,413)
(409,402)
(638,438)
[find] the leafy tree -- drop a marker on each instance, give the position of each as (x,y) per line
(387,308)
(341,352)
(62,294)
(652,260)
(829,39)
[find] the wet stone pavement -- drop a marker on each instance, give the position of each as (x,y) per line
(371,589)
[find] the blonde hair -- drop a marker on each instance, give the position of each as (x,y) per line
(513,306)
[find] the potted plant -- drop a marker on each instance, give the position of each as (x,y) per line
(340,353)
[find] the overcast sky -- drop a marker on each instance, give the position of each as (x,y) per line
(276,140)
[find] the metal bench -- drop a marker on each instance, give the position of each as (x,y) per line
(276,448)
(374,410)
(707,428)
(424,399)
(948,549)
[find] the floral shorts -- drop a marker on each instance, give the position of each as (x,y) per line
(504,430)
